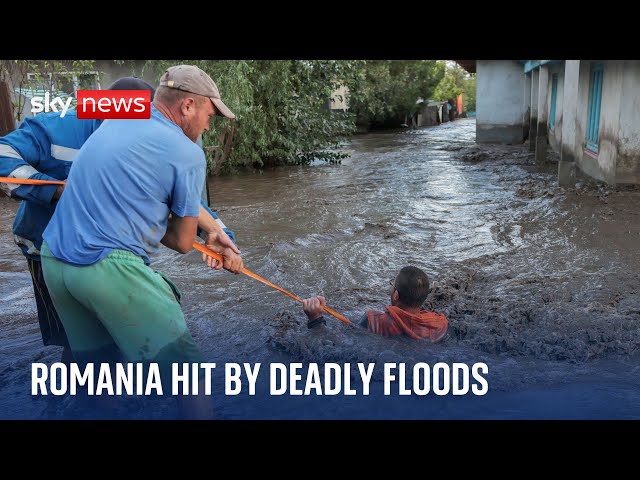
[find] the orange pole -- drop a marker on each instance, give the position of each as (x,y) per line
(28,181)
(218,257)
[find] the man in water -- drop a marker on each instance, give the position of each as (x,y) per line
(404,316)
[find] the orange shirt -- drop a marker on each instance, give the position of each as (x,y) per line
(395,321)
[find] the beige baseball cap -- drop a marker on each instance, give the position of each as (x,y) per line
(190,78)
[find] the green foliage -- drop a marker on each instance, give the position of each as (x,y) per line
(281,111)
(469,94)
(452,84)
(385,91)
(455,82)
(282,106)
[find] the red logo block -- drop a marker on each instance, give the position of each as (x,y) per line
(113,104)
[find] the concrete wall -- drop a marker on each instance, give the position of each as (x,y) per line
(533,115)
(505,93)
(499,101)
(601,166)
(570,91)
(526,107)
(628,159)
(555,134)
(610,119)
(429,116)
(587,162)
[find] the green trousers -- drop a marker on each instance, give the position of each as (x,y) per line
(119,309)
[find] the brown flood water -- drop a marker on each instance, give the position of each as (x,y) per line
(539,282)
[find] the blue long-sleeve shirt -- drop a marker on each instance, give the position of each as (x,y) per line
(43,148)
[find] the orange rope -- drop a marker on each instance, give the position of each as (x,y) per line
(29,181)
(196,245)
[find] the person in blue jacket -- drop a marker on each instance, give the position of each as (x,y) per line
(43,148)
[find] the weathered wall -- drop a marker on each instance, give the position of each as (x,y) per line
(570,93)
(499,101)
(600,165)
(555,133)
(628,146)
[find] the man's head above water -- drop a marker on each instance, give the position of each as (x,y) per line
(410,288)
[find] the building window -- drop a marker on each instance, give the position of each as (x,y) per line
(595,98)
(554,100)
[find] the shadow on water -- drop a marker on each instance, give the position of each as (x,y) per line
(538,282)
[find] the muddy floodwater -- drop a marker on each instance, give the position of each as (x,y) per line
(540,283)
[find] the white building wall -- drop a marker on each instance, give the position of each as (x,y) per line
(587,162)
(570,93)
(499,101)
(555,134)
(610,119)
(628,160)
(601,166)
(526,108)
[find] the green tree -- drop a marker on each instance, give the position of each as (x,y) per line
(384,92)
(469,94)
(452,84)
(457,81)
(281,111)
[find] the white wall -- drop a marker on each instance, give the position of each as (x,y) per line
(603,165)
(628,160)
(570,91)
(555,135)
(587,162)
(499,101)
(526,107)
(610,118)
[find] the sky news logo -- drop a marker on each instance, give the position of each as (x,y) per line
(99,104)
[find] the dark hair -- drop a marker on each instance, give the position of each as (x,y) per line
(412,285)
(132,83)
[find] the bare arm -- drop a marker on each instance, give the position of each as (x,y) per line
(181,233)
(218,241)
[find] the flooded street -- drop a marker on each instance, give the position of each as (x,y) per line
(539,282)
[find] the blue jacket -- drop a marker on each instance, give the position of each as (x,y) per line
(43,147)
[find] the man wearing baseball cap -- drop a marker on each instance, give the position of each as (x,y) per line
(189,78)
(136,184)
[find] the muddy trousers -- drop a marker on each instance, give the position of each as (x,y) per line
(119,309)
(51,327)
